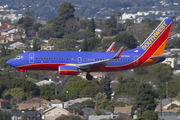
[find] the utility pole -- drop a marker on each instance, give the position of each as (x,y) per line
(166,90)
(161,106)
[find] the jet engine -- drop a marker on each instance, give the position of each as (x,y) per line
(68,70)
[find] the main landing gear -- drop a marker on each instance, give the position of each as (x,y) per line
(88,76)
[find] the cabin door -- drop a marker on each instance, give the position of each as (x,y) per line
(31,58)
(135,60)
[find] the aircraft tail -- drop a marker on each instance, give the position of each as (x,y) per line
(151,50)
(154,45)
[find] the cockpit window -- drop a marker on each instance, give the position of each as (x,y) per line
(19,57)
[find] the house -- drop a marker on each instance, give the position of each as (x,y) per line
(47,48)
(114,84)
(78,100)
(99,117)
(165,104)
(87,111)
(28,106)
(173,35)
(57,103)
(174,102)
(54,112)
(75,105)
(98,32)
(126,110)
(43,82)
(10,30)
(16,115)
(5,26)
(34,103)
(5,39)
(168,116)
(17,45)
(94,74)
(174,63)
(107,112)
(108,37)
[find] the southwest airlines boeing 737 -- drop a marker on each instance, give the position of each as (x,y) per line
(74,62)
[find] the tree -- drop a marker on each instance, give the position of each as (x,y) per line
(76,87)
(128,24)
(129,88)
(25,117)
(65,12)
(87,103)
(13,93)
(127,40)
(31,89)
(3,51)
(111,22)
(90,44)
(145,99)
(84,23)
(69,117)
(105,84)
(149,115)
(91,26)
(72,26)
(161,72)
(85,45)
(47,92)
(36,44)
(118,14)
(90,91)
(28,22)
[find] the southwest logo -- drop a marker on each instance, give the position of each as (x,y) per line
(154,36)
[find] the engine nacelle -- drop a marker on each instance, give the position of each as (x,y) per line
(68,70)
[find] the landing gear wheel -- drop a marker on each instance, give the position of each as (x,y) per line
(89,77)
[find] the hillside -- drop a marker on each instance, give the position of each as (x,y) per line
(46,9)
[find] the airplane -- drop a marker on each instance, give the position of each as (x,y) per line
(74,62)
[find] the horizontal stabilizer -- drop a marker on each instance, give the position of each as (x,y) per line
(155,57)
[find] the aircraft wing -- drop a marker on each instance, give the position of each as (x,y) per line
(102,62)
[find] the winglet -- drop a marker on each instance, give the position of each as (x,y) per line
(110,49)
(118,54)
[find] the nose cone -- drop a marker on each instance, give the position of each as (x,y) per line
(10,62)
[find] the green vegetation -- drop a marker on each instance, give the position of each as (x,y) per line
(5,115)
(69,117)
(68,29)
